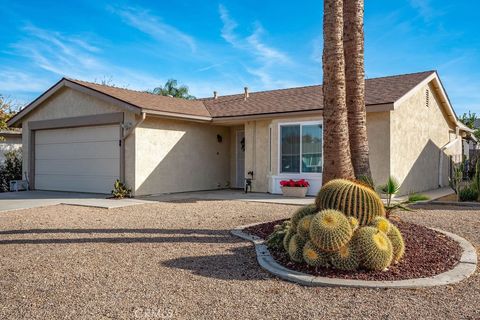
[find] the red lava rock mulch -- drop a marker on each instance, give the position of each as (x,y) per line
(427,253)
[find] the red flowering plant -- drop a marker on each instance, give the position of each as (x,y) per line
(302,183)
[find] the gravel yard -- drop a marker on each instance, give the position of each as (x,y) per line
(178,261)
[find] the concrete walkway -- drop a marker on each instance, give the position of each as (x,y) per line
(431,194)
(34,199)
(238,195)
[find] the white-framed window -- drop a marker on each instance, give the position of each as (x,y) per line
(301,147)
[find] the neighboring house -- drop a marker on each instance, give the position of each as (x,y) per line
(81,136)
(12,140)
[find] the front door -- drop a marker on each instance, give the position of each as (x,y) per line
(240,159)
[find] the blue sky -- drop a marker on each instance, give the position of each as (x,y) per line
(226,45)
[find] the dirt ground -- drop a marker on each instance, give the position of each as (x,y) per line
(178,261)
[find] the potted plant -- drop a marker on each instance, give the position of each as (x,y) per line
(294,188)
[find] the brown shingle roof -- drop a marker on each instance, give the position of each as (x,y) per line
(150,101)
(378,91)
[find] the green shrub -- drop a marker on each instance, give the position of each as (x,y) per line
(414,197)
(468,193)
(120,190)
(11,169)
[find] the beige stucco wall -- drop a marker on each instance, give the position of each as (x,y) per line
(178,156)
(263,157)
(71,103)
(378,133)
(418,132)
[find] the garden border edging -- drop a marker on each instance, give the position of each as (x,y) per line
(464,269)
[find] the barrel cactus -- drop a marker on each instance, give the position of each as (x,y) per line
(300,213)
(330,230)
(303,226)
(315,257)
(346,258)
(351,198)
(398,245)
(353,223)
(295,248)
(381,224)
(373,247)
(286,239)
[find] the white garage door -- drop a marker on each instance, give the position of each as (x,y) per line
(85,159)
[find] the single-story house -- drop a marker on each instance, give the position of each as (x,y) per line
(81,136)
(10,140)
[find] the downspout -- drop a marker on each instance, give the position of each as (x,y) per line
(124,137)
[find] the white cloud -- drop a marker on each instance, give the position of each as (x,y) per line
(19,81)
(68,56)
(317,47)
(229,26)
(266,59)
(425,8)
(262,50)
(147,23)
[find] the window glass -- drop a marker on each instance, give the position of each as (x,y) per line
(290,148)
(312,148)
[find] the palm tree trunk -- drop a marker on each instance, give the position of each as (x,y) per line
(353,44)
(337,160)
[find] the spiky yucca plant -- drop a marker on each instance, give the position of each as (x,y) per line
(352,198)
(373,247)
(330,230)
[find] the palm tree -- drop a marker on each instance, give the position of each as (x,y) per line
(172,89)
(353,44)
(337,162)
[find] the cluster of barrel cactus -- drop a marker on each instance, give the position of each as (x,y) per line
(346,229)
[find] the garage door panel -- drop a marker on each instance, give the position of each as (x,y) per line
(78,167)
(78,150)
(74,183)
(85,159)
(97,133)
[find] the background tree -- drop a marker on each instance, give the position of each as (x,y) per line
(172,89)
(6,112)
(337,162)
(469,120)
(354,49)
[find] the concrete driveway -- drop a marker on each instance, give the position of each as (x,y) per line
(35,199)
